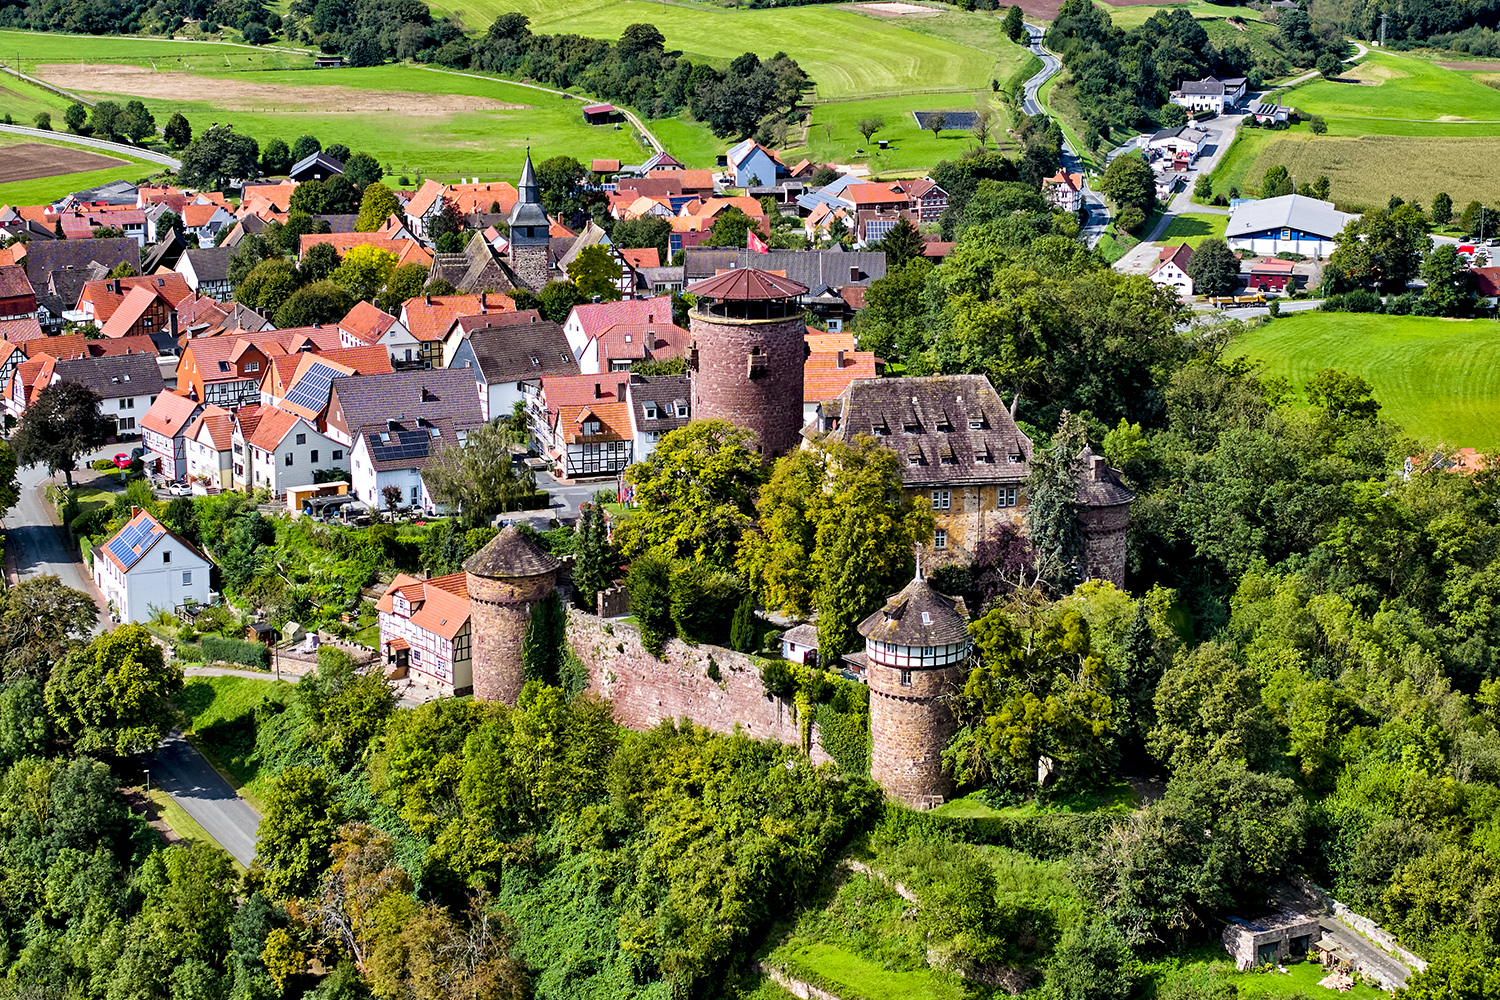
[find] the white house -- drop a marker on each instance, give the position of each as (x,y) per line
(145,566)
(209,443)
(1291,223)
(1182,142)
(587,322)
(164,434)
(1171,270)
(425,631)
(128,385)
(659,404)
(395,458)
(506,356)
(1210,94)
(800,644)
(1064,190)
(366,325)
(1270,113)
(207,271)
(282,450)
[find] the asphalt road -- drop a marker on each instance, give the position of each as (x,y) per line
(1098,218)
(178,769)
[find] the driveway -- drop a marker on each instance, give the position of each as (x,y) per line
(178,769)
(1221,131)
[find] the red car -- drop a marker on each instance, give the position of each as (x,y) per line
(122,461)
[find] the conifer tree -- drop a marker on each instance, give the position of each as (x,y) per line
(595,568)
(1052,508)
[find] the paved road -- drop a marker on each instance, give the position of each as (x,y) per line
(178,769)
(1098,217)
(1222,129)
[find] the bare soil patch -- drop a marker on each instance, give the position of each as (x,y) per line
(248,95)
(1471,67)
(34,160)
(893,9)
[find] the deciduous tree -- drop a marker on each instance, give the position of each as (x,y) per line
(1214,268)
(61,425)
(297,831)
(377,204)
(114,695)
(480,477)
(178,132)
(1129,182)
(595,274)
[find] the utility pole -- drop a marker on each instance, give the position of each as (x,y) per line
(1384,19)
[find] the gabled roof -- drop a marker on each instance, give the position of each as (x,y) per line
(217,423)
(429,317)
(170,287)
(64,347)
(129,312)
(307,390)
(109,346)
(747,284)
(367,322)
(919,616)
(14,284)
(824,376)
(596,317)
(275,424)
(605,166)
(321,159)
(572,400)
(439,605)
(667,392)
(211,264)
(427,195)
(742,151)
(1273,266)
(1294,211)
(140,535)
(170,415)
(521,352)
(445,393)
(20,331)
(637,341)
(1179,255)
(639,258)
(113,377)
(861,195)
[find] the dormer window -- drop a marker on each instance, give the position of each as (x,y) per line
(252,366)
(682,409)
(591,427)
(1015,458)
(944,424)
(650,411)
(976,422)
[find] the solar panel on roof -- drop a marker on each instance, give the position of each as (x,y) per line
(311,390)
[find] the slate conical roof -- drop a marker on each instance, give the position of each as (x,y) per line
(509,555)
(919,616)
(1098,484)
(747,284)
(528,189)
(528,211)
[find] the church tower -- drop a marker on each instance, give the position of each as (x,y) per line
(530,232)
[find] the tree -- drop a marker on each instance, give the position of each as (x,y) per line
(595,274)
(1316,124)
(730,229)
(404,283)
(276,158)
(269,285)
(319,302)
(1276,182)
(362,170)
(137,122)
(557,299)
(902,244)
(645,231)
(479,477)
(219,157)
(1129,182)
(339,195)
(1442,208)
(40,619)
(1321,187)
(1382,249)
(1447,278)
(867,127)
(1015,28)
(104,119)
(43,121)
(364,271)
(1329,65)
(178,133)
(310,197)
(1455,976)
(1209,708)
(297,831)
(1052,508)
(305,146)
(823,176)
(1093,962)
(168,222)
(597,566)
(320,261)
(62,424)
(74,117)
(545,639)
(935,123)
(564,186)
(1342,395)
(1204,188)
(981,128)
(114,695)
(1214,268)
(696,494)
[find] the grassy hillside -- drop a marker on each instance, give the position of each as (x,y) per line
(1395,93)
(32,47)
(833,137)
(1440,379)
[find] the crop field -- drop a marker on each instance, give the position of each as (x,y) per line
(832,138)
(1392,95)
(849,55)
(411,119)
(29,161)
(1437,378)
(1133,15)
(42,185)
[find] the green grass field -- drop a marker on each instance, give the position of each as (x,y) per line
(1136,15)
(1437,378)
(1406,93)
(40,47)
(47,189)
(1193,228)
(218,712)
(870,979)
(847,54)
(833,137)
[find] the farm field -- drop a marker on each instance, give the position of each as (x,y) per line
(1133,15)
(1437,378)
(411,119)
(847,54)
(833,137)
(33,47)
(39,190)
(1394,94)
(1193,228)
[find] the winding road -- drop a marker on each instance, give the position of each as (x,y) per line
(1031,104)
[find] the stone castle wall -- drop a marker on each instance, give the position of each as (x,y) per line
(645,690)
(498,613)
(770,404)
(1104,530)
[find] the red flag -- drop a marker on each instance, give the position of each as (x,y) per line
(753,242)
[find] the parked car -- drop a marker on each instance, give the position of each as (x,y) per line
(122,461)
(138,453)
(180,489)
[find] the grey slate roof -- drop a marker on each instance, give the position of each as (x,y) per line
(164,253)
(73,257)
(114,376)
(211,263)
(113,193)
(327,162)
(515,352)
(929,419)
(666,391)
(813,268)
(919,616)
(1294,211)
(339,223)
(510,554)
(1098,484)
(440,394)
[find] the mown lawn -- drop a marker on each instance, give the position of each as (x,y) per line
(1193,228)
(1406,89)
(834,138)
(871,980)
(33,47)
(218,714)
(1133,16)
(1438,378)
(1208,966)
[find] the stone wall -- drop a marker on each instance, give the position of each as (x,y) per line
(645,690)
(770,403)
(910,726)
(530,265)
(972,514)
(1104,531)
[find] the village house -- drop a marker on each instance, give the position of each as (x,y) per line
(144,301)
(825,375)
(505,357)
(1269,113)
(958,447)
(1210,94)
(283,450)
(1272,275)
(585,323)
(18,308)
(1171,270)
(1292,223)
(367,325)
(205,220)
(425,632)
(800,644)
(317,166)
(1064,191)
(1182,145)
(659,404)
(146,567)
(127,384)
(59,269)
(300,382)
(429,318)
(209,442)
(164,431)
(207,271)
(228,370)
(749,164)
(581,424)
(617,347)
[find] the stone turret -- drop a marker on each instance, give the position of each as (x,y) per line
(530,231)
(1104,514)
(917,654)
(747,354)
(506,579)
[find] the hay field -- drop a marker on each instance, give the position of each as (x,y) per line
(833,137)
(37,47)
(1438,378)
(1400,96)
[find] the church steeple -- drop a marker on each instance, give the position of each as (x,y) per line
(528,187)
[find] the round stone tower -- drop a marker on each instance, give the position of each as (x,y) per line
(747,355)
(918,653)
(506,579)
(1104,515)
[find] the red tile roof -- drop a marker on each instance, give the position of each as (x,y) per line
(20,331)
(68,347)
(823,377)
(13,282)
(596,317)
(573,399)
(129,312)
(644,257)
(439,605)
(367,322)
(275,423)
(430,317)
(170,415)
(172,287)
(219,423)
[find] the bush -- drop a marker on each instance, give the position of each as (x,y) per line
(1358,301)
(250,654)
(1274,309)
(650,585)
(779,679)
(704,601)
(102,465)
(1131,220)
(191,652)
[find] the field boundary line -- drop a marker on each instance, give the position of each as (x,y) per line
(15,71)
(640,125)
(81,140)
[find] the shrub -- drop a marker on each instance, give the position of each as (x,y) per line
(190,652)
(704,601)
(1131,220)
(650,585)
(779,679)
(1274,309)
(250,654)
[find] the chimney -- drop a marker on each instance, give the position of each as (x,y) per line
(1097,469)
(841,359)
(115,286)
(651,317)
(134,512)
(598,390)
(619,392)
(427,299)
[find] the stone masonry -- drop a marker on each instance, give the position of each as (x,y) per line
(529,264)
(914,724)
(749,372)
(1104,530)
(506,579)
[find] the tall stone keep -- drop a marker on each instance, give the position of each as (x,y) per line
(747,354)
(506,579)
(1104,514)
(530,232)
(917,656)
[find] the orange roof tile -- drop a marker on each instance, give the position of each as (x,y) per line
(439,605)
(823,378)
(218,422)
(430,317)
(170,415)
